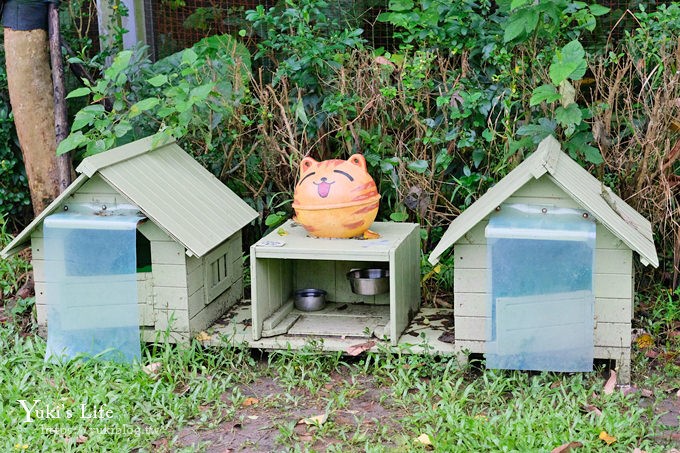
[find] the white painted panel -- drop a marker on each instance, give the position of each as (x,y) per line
(470,304)
(613,261)
(170,298)
(169,275)
(613,286)
(38,270)
(174,320)
(470,328)
(37,248)
(468,256)
(470,280)
(151,231)
(613,334)
(612,310)
(164,252)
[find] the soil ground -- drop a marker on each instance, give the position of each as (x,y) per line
(256,427)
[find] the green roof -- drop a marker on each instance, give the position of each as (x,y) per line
(173,190)
(611,211)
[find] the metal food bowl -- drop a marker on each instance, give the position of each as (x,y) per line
(369,282)
(310,299)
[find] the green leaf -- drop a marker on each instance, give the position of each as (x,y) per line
(120,63)
(398,216)
(189,57)
(300,114)
(598,10)
(538,131)
(568,62)
(531,21)
(200,93)
(159,80)
(478,155)
(142,106)
(569,116)
(400,5)
(78,92)
(275,219)
(80,121)
(546,93)
(122,128)
(419,166)
(71,142)
(592,155)
(514,29)
(517,3)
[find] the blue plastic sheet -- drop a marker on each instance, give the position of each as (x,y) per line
(91,286)
(541,278)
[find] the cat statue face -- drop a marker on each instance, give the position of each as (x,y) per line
(335,198)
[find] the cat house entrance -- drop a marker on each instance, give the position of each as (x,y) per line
(540,309)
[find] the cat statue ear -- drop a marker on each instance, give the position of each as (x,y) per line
(307,163)
(358,160)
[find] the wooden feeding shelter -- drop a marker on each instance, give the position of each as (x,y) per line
(188,242)
(543,268)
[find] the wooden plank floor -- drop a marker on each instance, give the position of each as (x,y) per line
(424,334)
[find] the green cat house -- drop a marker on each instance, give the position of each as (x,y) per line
(543,268)
(188,239)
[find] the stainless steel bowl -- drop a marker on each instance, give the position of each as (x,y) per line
(310,299)
(369,282)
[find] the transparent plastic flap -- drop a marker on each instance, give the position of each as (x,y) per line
(541,283)
(91,286)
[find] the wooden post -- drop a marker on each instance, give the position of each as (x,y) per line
(60,112)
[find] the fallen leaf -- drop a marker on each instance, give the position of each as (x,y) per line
(628,389)
(644,341)
(253,417)
(646,393)
(424,439)
(556,384)
(611,383)
(607,438)
(447,337)
(651,354)
(384,61)
(306,437)
(564,448)
(249,401)
(153,369)
(678,394)
(203,336)
(637,450)
(315,420)
(282,232)
(593,409)
(357,349)
(81,439)
(368,234)
(181,389)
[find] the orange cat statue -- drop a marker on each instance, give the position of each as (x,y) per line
(335,198)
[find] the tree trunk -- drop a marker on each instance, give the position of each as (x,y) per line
(30,90)
(60,113)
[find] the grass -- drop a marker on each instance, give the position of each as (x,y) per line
(116,407)
(458,409)
(13,271)
(382,401)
